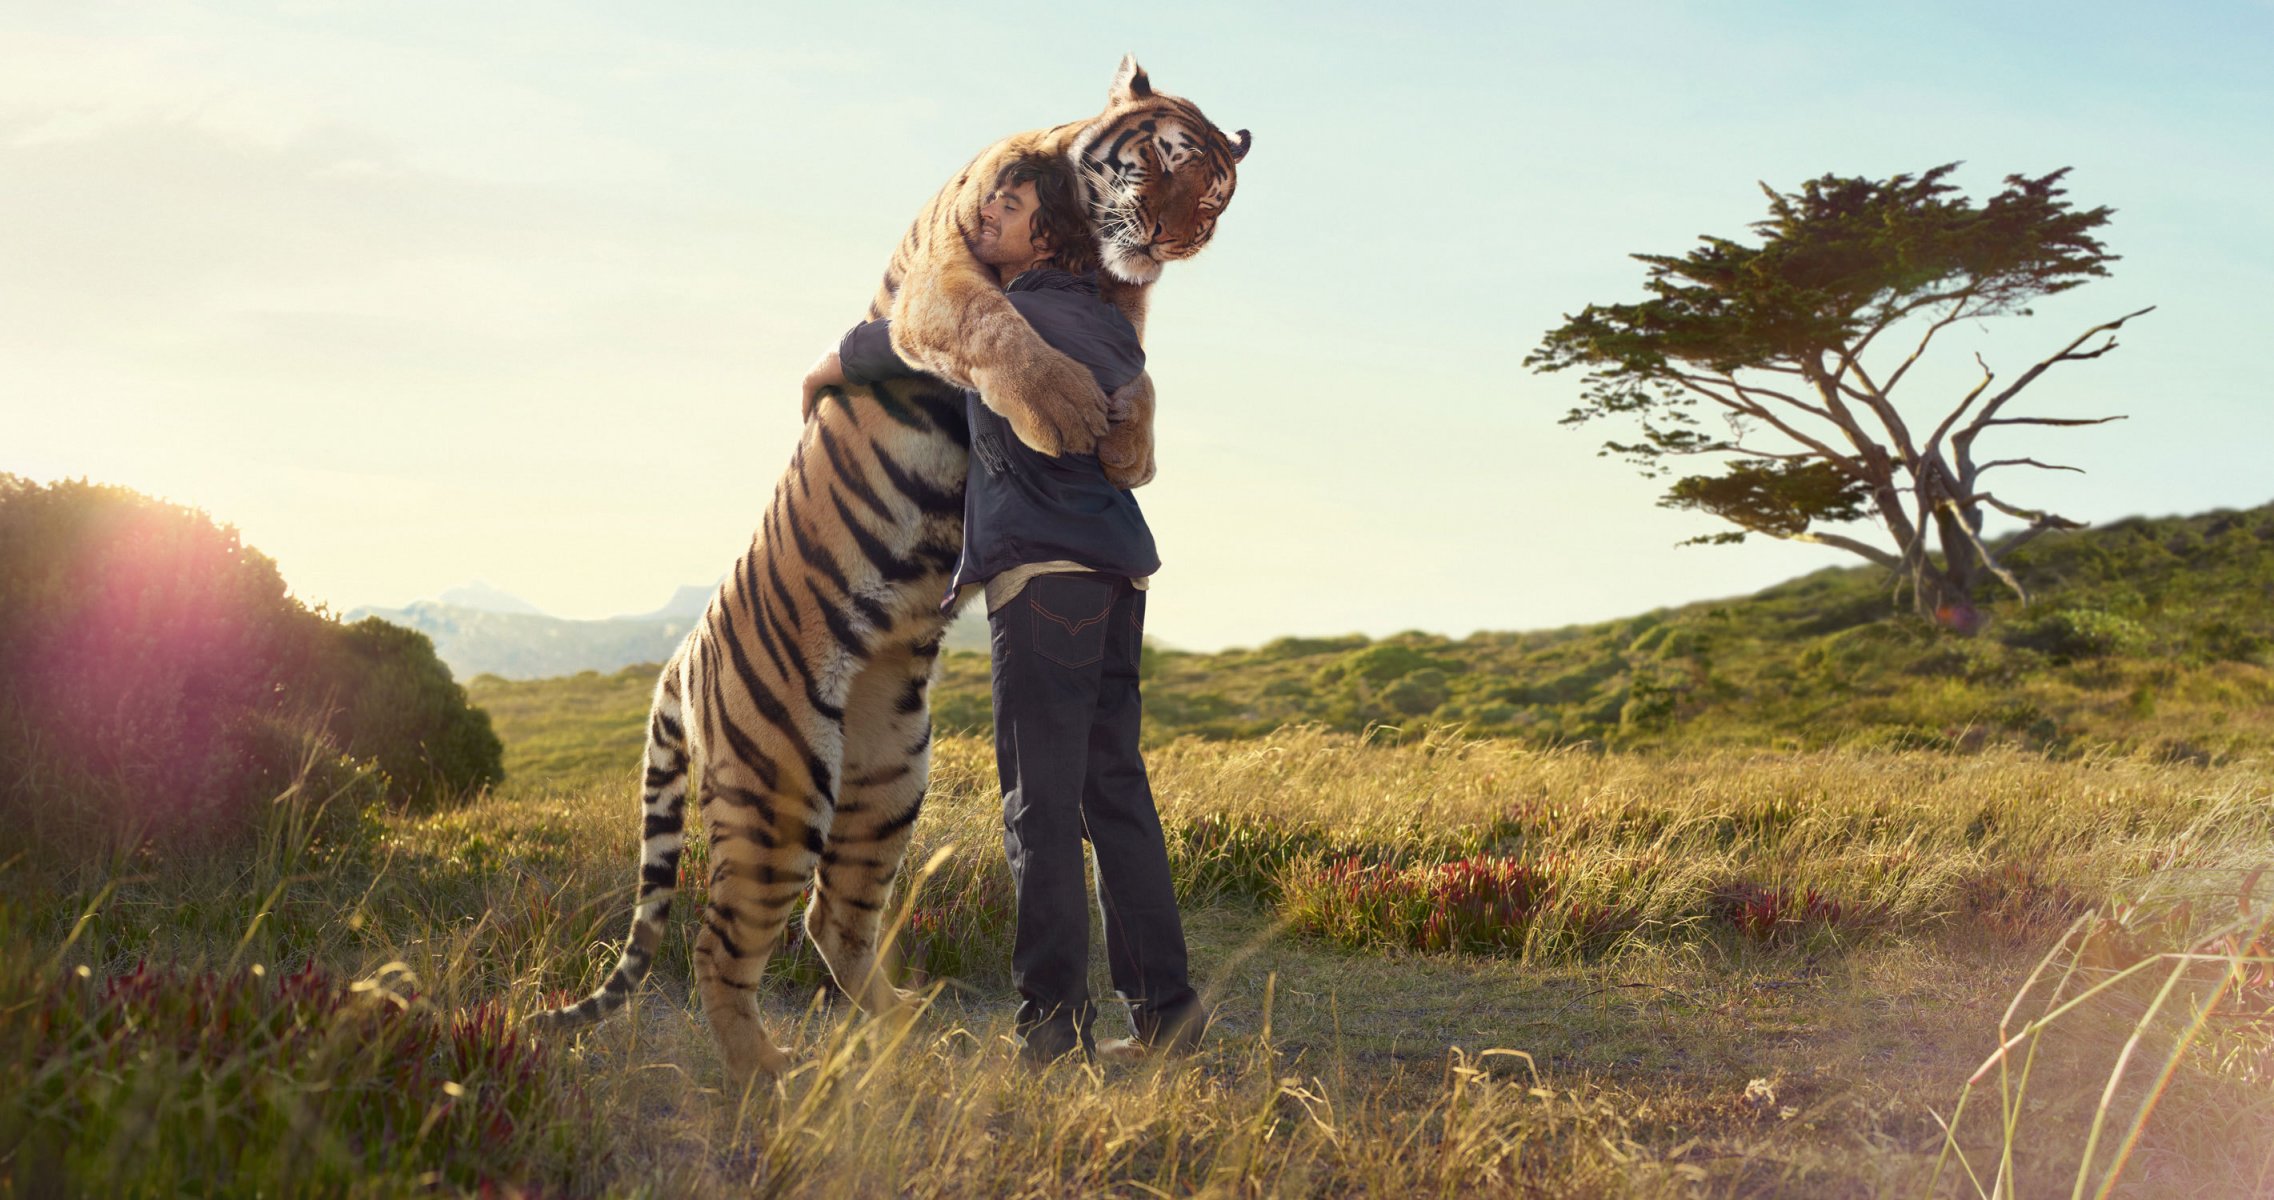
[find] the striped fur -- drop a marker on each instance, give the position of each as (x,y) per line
(799,701)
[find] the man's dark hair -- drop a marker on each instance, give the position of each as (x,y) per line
(1059,214)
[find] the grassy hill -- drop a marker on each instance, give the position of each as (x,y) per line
(2153,637)
(2144,634)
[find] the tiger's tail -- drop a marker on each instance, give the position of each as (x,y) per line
(663,805)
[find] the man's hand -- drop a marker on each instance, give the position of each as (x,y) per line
(827,373)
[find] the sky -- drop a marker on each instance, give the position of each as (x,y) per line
(414,294)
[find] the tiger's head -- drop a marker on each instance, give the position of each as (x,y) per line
(1158,174)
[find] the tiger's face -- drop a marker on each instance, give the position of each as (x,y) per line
(1158,175)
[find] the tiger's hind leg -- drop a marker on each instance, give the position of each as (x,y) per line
(888,742)
(767,819)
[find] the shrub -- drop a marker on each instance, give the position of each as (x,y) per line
(135,638)
(2230,640)
(1765,913)
(1417,694)
(1382,663)
(155,675)
(1480,904)
(2077,634)
(390,700)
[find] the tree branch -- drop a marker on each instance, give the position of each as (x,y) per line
(2031,515)
(1747,392)
(1977,425)
(1957,313)
(1753,409)
(1874,398)
(1838,541)
(2023,462)
(1750,452)
(1988,559)
(1888,319)
(2067,353)
(1934,443)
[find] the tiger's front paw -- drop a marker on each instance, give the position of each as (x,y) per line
(1127,455)
(1054,405)
(1127,451)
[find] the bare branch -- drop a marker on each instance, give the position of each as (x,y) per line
(1893,315)
(1754,409)
(2034,517)
(2024,462)
(1957,313)
(1977,425)
(1750,452)
(1838,541)
(1988,560)
(1935,442)
(2031,515)
(1874,398)
(2067,353)
(1747,392)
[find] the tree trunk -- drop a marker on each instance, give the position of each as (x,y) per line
(1943,595)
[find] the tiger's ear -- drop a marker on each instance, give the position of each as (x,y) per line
(1129,83)
(1240,143)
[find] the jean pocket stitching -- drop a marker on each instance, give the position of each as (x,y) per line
(1075,627)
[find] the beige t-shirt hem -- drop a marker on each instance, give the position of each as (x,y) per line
(1005,587)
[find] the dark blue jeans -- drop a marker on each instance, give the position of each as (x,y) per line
(1066,719)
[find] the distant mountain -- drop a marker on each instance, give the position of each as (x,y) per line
(481,639)
(688,602)
(475,641)
(481,595)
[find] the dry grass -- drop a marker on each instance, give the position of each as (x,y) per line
(1683,1056)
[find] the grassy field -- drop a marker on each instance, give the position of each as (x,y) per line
(1445,966)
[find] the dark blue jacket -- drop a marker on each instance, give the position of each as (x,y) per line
(1020,505)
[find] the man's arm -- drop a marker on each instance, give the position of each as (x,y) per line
(864,355)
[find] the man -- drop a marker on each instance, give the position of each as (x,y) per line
(1063,556)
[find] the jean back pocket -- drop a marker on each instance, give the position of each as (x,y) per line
(1069,617)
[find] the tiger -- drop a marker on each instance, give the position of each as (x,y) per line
(800,700)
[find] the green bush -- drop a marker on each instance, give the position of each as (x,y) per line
(388,699)
(155,675)
(2079,634)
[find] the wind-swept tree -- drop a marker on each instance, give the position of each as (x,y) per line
(1773,338)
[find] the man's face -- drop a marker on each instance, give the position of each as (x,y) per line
(1006,228)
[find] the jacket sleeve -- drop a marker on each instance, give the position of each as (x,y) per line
(866,354)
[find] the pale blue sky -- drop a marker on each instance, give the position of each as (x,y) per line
(418,293)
